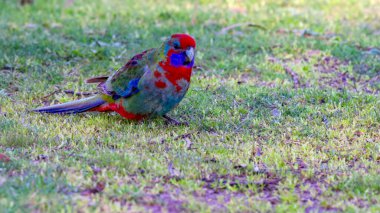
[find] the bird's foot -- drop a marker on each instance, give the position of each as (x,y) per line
(172,121)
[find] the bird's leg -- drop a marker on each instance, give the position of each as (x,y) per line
(173,121)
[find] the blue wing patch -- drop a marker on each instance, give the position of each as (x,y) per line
(131,89)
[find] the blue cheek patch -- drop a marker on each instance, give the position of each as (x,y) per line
(191,64)
(177,59)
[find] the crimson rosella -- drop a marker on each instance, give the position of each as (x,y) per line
(151,84)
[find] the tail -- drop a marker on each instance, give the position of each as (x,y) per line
(73,107)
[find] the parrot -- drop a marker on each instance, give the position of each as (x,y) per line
(151,83)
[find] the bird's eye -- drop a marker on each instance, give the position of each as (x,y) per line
(176,45)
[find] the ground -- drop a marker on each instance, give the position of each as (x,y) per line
(283,109)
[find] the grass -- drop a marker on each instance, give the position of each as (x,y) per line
(254,142)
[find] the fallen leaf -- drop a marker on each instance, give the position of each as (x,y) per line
(42,157)
(173,171)
(276,112)
(97,189)
(188,143)
(257,152)
(4,158)
(301,164)
(358,133)
(100,186)
(96,170)
(288,70)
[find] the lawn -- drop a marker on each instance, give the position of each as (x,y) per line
(283,110)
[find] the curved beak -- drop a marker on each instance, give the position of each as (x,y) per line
(190,54)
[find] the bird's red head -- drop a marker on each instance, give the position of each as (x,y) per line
(180,50)
(185,41)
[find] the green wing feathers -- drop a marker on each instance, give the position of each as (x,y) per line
(131,71)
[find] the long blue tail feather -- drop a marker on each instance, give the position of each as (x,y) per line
(73,107)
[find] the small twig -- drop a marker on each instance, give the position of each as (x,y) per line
(24,2)
(174,122)
(186,137)
(373,79)
(52,93)
(289,71)
(198,67)
(231,27)
(355,82)
(58,90)
(294,76)
(183,136)
(78,93)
